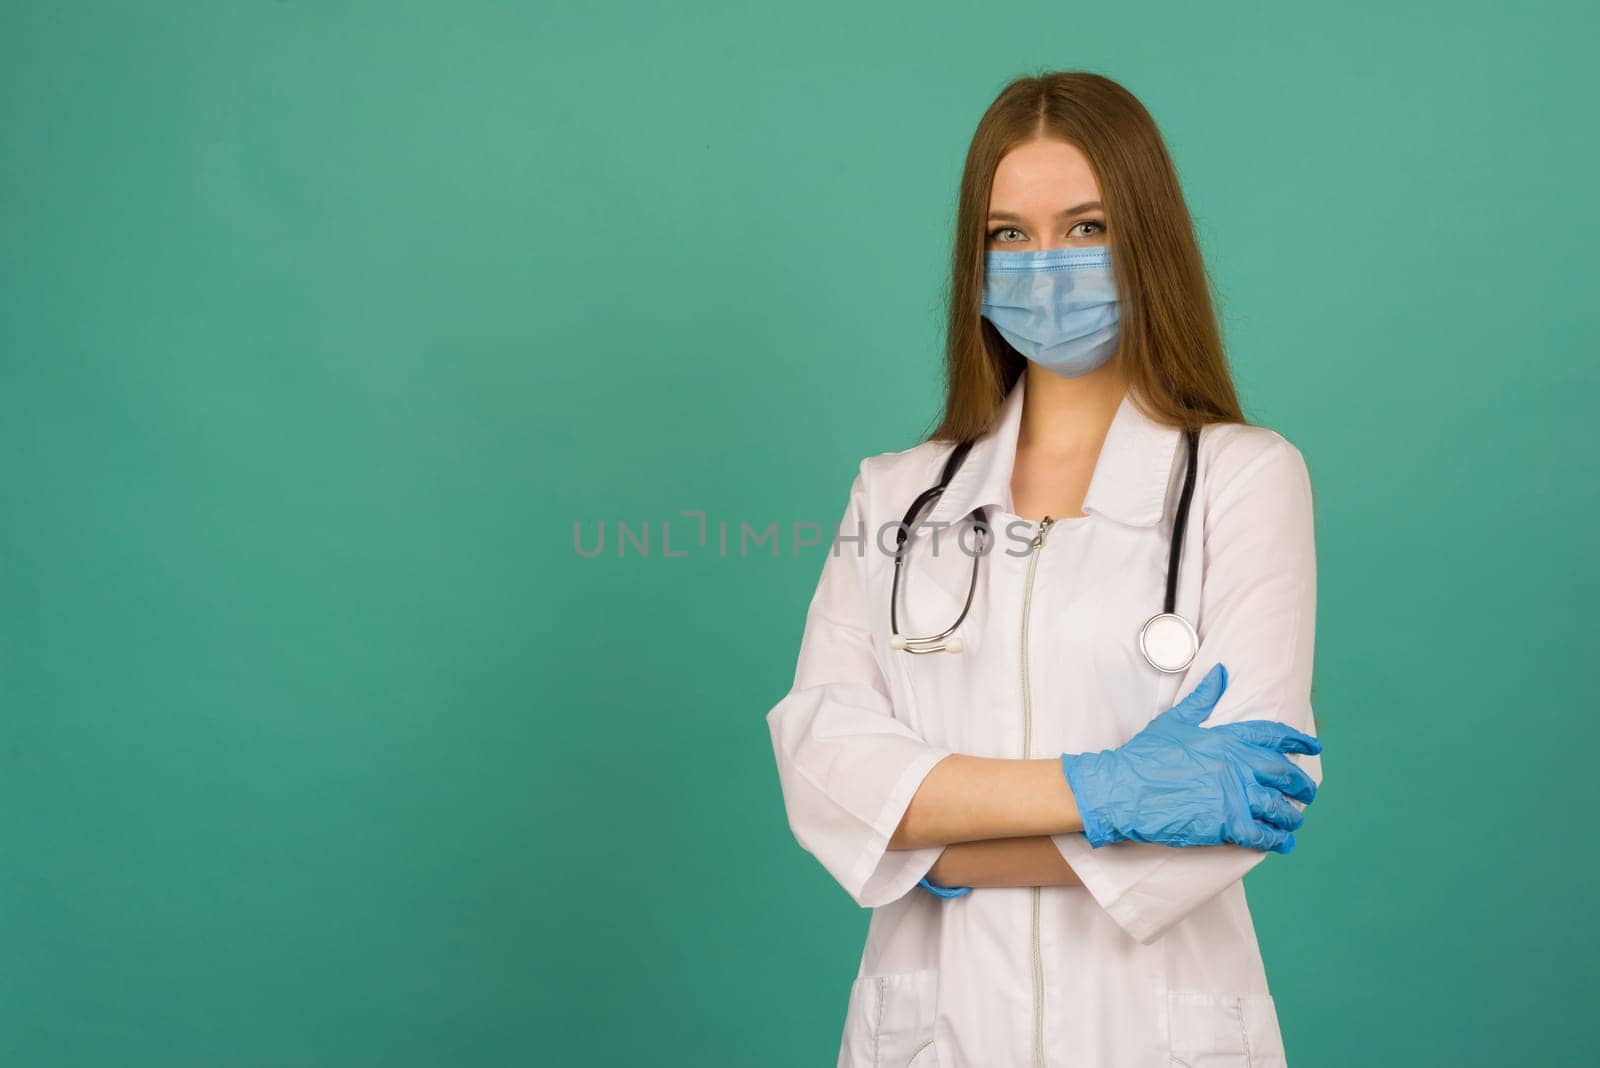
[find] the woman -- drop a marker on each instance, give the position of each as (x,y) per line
(1051,841)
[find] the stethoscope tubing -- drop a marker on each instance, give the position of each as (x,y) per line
(1180,522)
(945,641)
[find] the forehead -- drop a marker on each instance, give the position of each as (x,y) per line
(1043,176)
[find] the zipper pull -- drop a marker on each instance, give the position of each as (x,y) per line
(1044,527)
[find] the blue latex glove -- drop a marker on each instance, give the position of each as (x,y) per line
(1181,784)
(943,891)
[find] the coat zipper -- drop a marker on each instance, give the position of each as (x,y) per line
(1027,744)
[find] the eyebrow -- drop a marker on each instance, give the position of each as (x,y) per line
(1088,205)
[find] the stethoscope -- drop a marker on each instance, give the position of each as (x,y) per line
(1167,640)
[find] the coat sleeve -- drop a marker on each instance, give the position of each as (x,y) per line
(847,766)
(1257,617)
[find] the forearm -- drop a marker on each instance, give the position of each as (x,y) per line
(1031,861)
(967,798)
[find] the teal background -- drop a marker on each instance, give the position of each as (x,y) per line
(322,324)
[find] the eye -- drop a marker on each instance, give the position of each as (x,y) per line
(1002,229)
(1100,226)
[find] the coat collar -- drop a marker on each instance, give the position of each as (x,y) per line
(1131,477)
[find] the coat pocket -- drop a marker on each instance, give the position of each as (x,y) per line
(889,1023)
(1223,1031)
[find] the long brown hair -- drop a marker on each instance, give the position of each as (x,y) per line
(1169,342)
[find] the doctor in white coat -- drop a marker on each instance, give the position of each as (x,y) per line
(1050,829)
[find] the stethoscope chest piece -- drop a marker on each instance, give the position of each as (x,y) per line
(1168,642)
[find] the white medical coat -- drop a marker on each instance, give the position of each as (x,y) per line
(1153,960)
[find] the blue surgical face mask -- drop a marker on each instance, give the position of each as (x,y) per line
(1057,307)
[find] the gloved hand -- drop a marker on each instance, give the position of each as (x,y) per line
(943,891)
(1181,784)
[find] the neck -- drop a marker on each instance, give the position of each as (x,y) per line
(1066,415)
